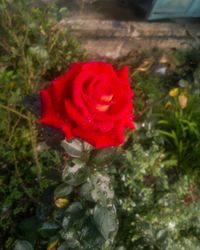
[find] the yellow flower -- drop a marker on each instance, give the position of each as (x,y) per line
(182,100)
(61,202)
(173,92)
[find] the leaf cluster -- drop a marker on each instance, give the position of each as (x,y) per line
(80,213)
(157,176)
(33,49)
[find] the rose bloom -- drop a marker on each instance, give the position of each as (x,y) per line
(92,101)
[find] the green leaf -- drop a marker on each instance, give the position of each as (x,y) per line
(73,148)
(63,190)
(92,237)
(38,52)
(23,245)
(85,191)
(63,11)
(75,175)
(102,191)
(167,134)
(129,157)
(48,229)
(106,221)
(103,156)
(63,246)
(164,122)
(162,235)
(70,244)
(66,223)
(98,189)
(75,207)
(171,162)
(71,237)
(75,210)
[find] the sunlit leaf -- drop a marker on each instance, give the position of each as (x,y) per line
(63,190)
(73,148)
(75,175)
(105,220)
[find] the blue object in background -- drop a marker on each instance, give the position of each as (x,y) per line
(162,9)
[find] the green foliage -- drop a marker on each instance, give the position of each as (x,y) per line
(79,214)
(34,43)
(157,179)
(34,48)
(180,130)
(155,200)
(157,206)
(90,219)
(179,116)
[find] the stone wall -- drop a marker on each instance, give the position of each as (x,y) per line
(108,28)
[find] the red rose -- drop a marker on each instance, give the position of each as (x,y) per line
(91,101)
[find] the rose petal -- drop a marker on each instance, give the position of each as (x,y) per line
(46,103)
(123,74)
(124,77)
(74,115)
(61,87)
(102,108)
(49,115)
(67,130)
(104,126)
(78,93)
(129,124)
(102,140)
(107,98)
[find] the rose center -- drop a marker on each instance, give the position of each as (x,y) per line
(106,98)
(106,102)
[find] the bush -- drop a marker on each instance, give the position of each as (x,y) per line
(157,174)
(33,49)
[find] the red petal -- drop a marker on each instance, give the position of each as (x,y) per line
(46,103)
(102,140)
(67,131)
(78,92)
(123,74)
(61,87)
(74,115)
(47,109)
(103,126)
(130,124)
(124,78)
